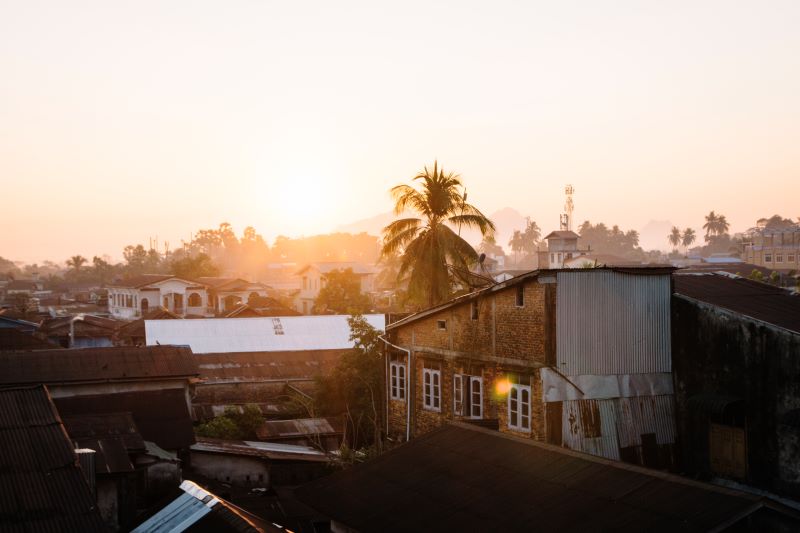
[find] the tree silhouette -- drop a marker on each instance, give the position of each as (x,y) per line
(428,244)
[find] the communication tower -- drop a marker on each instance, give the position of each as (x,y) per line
(566,218)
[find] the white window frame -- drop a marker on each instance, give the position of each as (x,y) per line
(458,395)
(397,373)
(520,408)
(475,380)
(432,389)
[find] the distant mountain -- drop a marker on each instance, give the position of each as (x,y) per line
(653,236)
(506,220)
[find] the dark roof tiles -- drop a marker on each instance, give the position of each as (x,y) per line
(96,364)
(753,299)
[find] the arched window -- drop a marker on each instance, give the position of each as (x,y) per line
(195,300)
(254,296)
(145,305)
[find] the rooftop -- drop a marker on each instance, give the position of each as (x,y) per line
(329,266)
(42,488)
(464,478)
(753,299)
(269,334)
(261,366)
(111,435)
(265,450)
(286,429)
(96,364)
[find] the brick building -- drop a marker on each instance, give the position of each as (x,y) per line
(578,358)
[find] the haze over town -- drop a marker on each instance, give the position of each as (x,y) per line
(121,123)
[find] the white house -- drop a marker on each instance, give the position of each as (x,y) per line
(313,277)
(133,298)
(225,294)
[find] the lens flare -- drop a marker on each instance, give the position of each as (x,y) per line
(502,386)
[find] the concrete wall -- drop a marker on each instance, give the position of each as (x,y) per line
(237,470)
(720,354)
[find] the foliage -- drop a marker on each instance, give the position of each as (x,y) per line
(613,241)
(234,425)
(22,303)
(716,225)
(192,267)
(489,246)
(8,267)
(674,236)
(688,237)
(341,294)
(355,386)
(430,246)
(756,275)
(776,222)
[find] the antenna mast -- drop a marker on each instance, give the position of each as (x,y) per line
(569,206)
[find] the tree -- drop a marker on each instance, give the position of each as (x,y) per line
(341,294)
(688,237)
(234,424)
(531,236)
(716,225)
(489,246)
(430,248)
(516,243)
(355,386)
(76,262)
(674,236)
(192,267)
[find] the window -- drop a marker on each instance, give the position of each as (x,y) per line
(305,283)
(195,300)
(476,397)
(520,295)
(552,258)
(397,372)
(441,324)
(458,395)
(519,407)
(474,310)
(790,258)
(779,258)
(768,258)
(145,305)
(432,390)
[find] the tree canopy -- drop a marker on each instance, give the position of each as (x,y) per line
(430,245)
(341,294)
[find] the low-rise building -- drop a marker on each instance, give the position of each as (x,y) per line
(775,248)
(736,358)
(579,358)
(313,277)
(465,478)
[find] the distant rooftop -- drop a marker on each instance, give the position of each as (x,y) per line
(753,299)
(292,333)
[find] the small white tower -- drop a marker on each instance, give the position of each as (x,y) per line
(568,208)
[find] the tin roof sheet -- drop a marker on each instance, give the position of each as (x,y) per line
(42,488)
(460,477)
(292,333)
(96,364)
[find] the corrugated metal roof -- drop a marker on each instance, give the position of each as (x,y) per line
(42,488)
(262,366)
(611,322)
(96,364)
(113,436)
(293,333)
(162,416)
(266,450)
(280,429)
(753,299)
(462,478)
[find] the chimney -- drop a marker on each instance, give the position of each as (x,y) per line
(87,461)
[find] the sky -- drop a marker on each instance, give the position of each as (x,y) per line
(122,121)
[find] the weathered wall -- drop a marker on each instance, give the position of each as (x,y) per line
(237,470)
(716,352)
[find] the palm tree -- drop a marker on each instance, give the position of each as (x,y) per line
(428,245)
(688,238)
(531,236)
(711,225)
(76,262)
(516,243)
(674,236)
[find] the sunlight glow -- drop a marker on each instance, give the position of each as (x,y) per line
(502,386)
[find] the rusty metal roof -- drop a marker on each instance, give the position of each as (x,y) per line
(265,450)
(96,364)
(113,436)
(302,427)
(263,366)
(14,339)
(752,299)
(464,478)
(42,488)
(162,416)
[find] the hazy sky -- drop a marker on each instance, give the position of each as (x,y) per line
(125,120)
